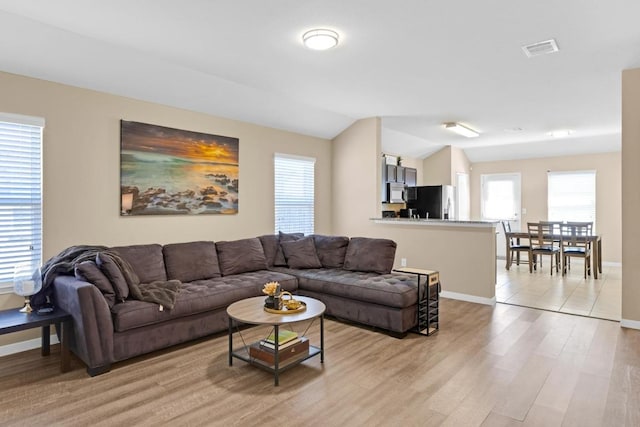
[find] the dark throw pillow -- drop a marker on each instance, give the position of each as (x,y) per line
(88,271)
(191,261)
(111,269)
(270,245)
(301,253)
(285,237)
(331,250)
(366,254)
(241,256)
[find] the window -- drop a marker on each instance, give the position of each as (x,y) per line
(294,193)
(572,196)
(20,194)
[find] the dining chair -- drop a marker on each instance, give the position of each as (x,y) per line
(574,244)
(541,241)
(514,247)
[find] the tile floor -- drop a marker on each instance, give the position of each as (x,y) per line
(573,294)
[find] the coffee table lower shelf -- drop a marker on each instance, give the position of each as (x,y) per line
(243,354)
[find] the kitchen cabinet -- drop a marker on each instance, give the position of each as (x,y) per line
(410,177)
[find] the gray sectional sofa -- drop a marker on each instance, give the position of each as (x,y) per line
(351,276)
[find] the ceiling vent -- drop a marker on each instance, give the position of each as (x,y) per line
(540,48)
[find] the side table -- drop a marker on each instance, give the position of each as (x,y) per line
(13,321)
(428,321)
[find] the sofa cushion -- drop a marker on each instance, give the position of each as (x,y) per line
(88,271)
(198,297)
(270,245)
(280,260)
(191,261)
(112,271)
(240,256)
(331,250)
(147,261)
(366,254)
(301,253)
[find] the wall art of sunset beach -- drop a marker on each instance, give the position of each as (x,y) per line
(165,171)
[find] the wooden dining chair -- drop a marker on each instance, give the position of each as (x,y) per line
(541,241)
(514,247)
(575,244)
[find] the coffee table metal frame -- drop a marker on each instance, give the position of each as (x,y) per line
(250,311)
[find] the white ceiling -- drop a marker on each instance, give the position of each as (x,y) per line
(415,63)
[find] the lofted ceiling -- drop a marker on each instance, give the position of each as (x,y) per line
(416,64)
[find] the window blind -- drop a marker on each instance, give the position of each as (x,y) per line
(294,194)
(572,196)
(20,194)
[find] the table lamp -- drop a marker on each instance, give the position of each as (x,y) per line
(27,281)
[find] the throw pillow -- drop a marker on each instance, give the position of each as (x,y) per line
(366,254)
(191,261)
(111,269)
(241,256)
(88,271)
(301,253)
(285,237)
(270,245)
(331,250)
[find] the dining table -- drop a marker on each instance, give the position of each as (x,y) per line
(594,239)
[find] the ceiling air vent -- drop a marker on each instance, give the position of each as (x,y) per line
(540,48)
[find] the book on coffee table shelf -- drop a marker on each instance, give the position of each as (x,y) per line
(268,355)
(284,336)
(281,347)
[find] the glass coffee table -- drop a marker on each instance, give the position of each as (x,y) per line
(251,311)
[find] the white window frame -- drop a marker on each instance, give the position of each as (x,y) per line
(560,200)
(20,194)
(294,193)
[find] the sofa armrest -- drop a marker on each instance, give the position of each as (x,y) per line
(92,340)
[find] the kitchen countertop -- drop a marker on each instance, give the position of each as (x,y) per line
(435,222)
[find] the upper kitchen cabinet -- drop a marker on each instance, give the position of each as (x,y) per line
(410,177)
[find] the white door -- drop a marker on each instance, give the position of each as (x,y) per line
(501,202)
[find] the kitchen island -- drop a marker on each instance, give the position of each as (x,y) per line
(464,252)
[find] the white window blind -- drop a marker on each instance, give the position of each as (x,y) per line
(294,194)
(572,196)
(20,194)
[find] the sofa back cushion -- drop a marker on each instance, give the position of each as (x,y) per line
(88,271)
(191,261)
(331,250)
(366,254)
(280,260)
(241,256)
(147,261)
(270,246)
(301,253)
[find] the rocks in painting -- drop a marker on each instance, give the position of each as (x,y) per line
(158,201)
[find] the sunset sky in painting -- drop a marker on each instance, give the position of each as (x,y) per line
(180,143)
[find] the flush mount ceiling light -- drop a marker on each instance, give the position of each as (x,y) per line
(320,39)
(561,133)
(461,130)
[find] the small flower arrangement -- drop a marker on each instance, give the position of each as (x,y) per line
(271,288)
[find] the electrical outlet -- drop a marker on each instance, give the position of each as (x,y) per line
(403,262)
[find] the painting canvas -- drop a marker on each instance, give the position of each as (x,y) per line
(165,171)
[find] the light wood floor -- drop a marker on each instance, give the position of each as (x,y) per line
(601,298)
(487,366)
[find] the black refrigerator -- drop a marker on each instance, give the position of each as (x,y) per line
(432,201)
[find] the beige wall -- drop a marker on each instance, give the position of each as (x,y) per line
(534,191)
(631,200)
(459,163)
(81,169)
(436,169)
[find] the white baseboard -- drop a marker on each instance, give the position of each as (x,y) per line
(611,264)
(468,298)
(631,324)
(21,346)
